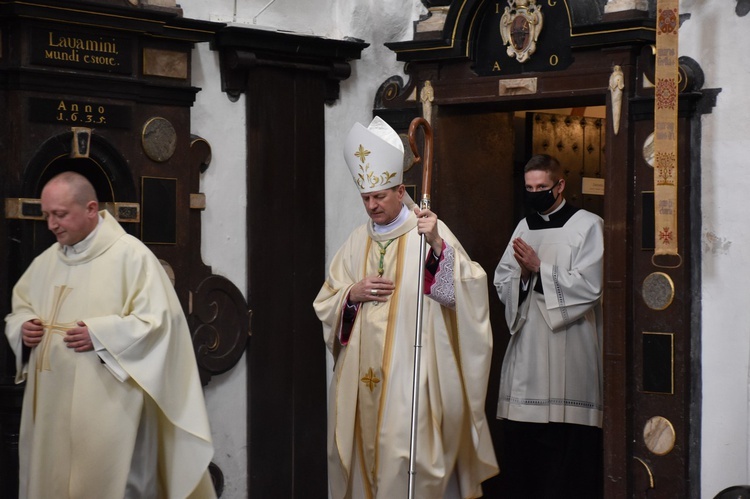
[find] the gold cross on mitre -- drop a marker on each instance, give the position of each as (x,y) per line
(362,153)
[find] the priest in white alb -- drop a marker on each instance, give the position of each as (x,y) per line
(368,307)
(113,405)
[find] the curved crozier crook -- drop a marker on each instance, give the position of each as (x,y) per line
(427,163)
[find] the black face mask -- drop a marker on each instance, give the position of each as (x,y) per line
(540,201)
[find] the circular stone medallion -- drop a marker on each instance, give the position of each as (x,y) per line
(658,291)
(659,435)
(159,139)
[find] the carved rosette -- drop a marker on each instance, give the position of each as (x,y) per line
(220,322)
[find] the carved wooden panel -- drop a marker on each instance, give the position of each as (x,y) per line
(220,321)
(76,97)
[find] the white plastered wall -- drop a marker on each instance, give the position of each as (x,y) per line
(717,39)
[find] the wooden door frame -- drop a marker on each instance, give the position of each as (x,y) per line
(625,40)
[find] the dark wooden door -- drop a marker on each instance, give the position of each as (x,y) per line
(478,188)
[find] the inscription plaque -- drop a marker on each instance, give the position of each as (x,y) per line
(79,113)
(74,49)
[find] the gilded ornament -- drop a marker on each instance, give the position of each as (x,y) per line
(520,27)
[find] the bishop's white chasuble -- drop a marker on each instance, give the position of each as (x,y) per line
(370,397)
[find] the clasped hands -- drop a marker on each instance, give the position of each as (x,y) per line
(77,338)
(526,258)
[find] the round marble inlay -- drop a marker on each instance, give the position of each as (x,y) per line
(659,435)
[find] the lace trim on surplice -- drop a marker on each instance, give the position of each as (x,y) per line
(443,289)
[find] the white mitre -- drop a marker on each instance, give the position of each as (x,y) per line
(375,156)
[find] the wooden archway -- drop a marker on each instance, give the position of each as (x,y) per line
(463,74)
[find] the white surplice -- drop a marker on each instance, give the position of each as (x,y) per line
(552,370)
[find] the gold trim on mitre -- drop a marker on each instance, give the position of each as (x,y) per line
(375,156)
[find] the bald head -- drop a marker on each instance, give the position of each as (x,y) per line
(79,186)
(70,206)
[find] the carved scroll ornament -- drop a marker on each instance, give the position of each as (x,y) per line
(220,321)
